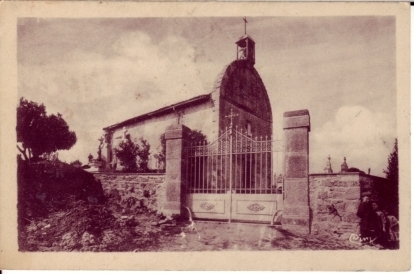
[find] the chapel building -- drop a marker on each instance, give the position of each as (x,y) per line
(238,97)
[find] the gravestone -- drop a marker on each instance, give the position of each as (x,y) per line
(296,213)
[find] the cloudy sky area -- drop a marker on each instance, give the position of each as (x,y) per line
(97,72)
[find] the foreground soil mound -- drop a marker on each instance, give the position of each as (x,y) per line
(46,186)
(63,208)
(91,227)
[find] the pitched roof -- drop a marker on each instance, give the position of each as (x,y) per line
(162,111)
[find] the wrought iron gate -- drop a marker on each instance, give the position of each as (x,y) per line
(232,178)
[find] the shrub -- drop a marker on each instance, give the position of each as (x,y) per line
(133,157)
(76,163)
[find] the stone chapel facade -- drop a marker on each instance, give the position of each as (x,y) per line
(238,91)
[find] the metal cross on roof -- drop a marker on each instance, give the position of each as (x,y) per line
(245,23)
(231,117)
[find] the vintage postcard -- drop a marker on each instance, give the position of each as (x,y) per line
(205,136)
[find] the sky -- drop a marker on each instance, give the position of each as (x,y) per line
(97,72)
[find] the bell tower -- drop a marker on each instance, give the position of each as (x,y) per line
(245,46)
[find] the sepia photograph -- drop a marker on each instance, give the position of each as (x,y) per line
(216,133)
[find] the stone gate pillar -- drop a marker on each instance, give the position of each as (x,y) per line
(175,137)
(296,213)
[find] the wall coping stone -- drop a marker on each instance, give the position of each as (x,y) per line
(293,113)
(346,173)
(124,174)
(336,174)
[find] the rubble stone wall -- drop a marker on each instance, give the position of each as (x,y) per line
(143,190)
(334,201)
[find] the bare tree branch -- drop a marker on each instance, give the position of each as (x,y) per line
(23,152)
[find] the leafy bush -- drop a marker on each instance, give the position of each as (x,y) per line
(127,153)
(143,155)
(133,157)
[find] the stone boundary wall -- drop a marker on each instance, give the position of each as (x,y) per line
(334,201)
(139,190)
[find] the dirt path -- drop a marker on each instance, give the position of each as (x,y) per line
(67,231)
(213,236)
(122,223)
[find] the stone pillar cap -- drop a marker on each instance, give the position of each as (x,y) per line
(296,119)
(177,127)
(300,112)
(177,131)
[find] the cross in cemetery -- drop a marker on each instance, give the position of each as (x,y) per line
(231,117)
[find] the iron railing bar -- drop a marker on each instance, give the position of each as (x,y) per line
(225,182)
(237,166)
(200,172)
(261,166)
(274,168)
(210,177)
(250,167)
(195,173)
(214,170)
(219,172)
(245,170)
(230,172)
(193,178)
(266,179)
(187,183)
(256,171)
(202,166)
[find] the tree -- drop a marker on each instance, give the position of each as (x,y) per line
(39,133)
(129,154)
(391,173)
(194,137)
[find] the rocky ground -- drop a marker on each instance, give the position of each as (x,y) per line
(214,236)
(97,228)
